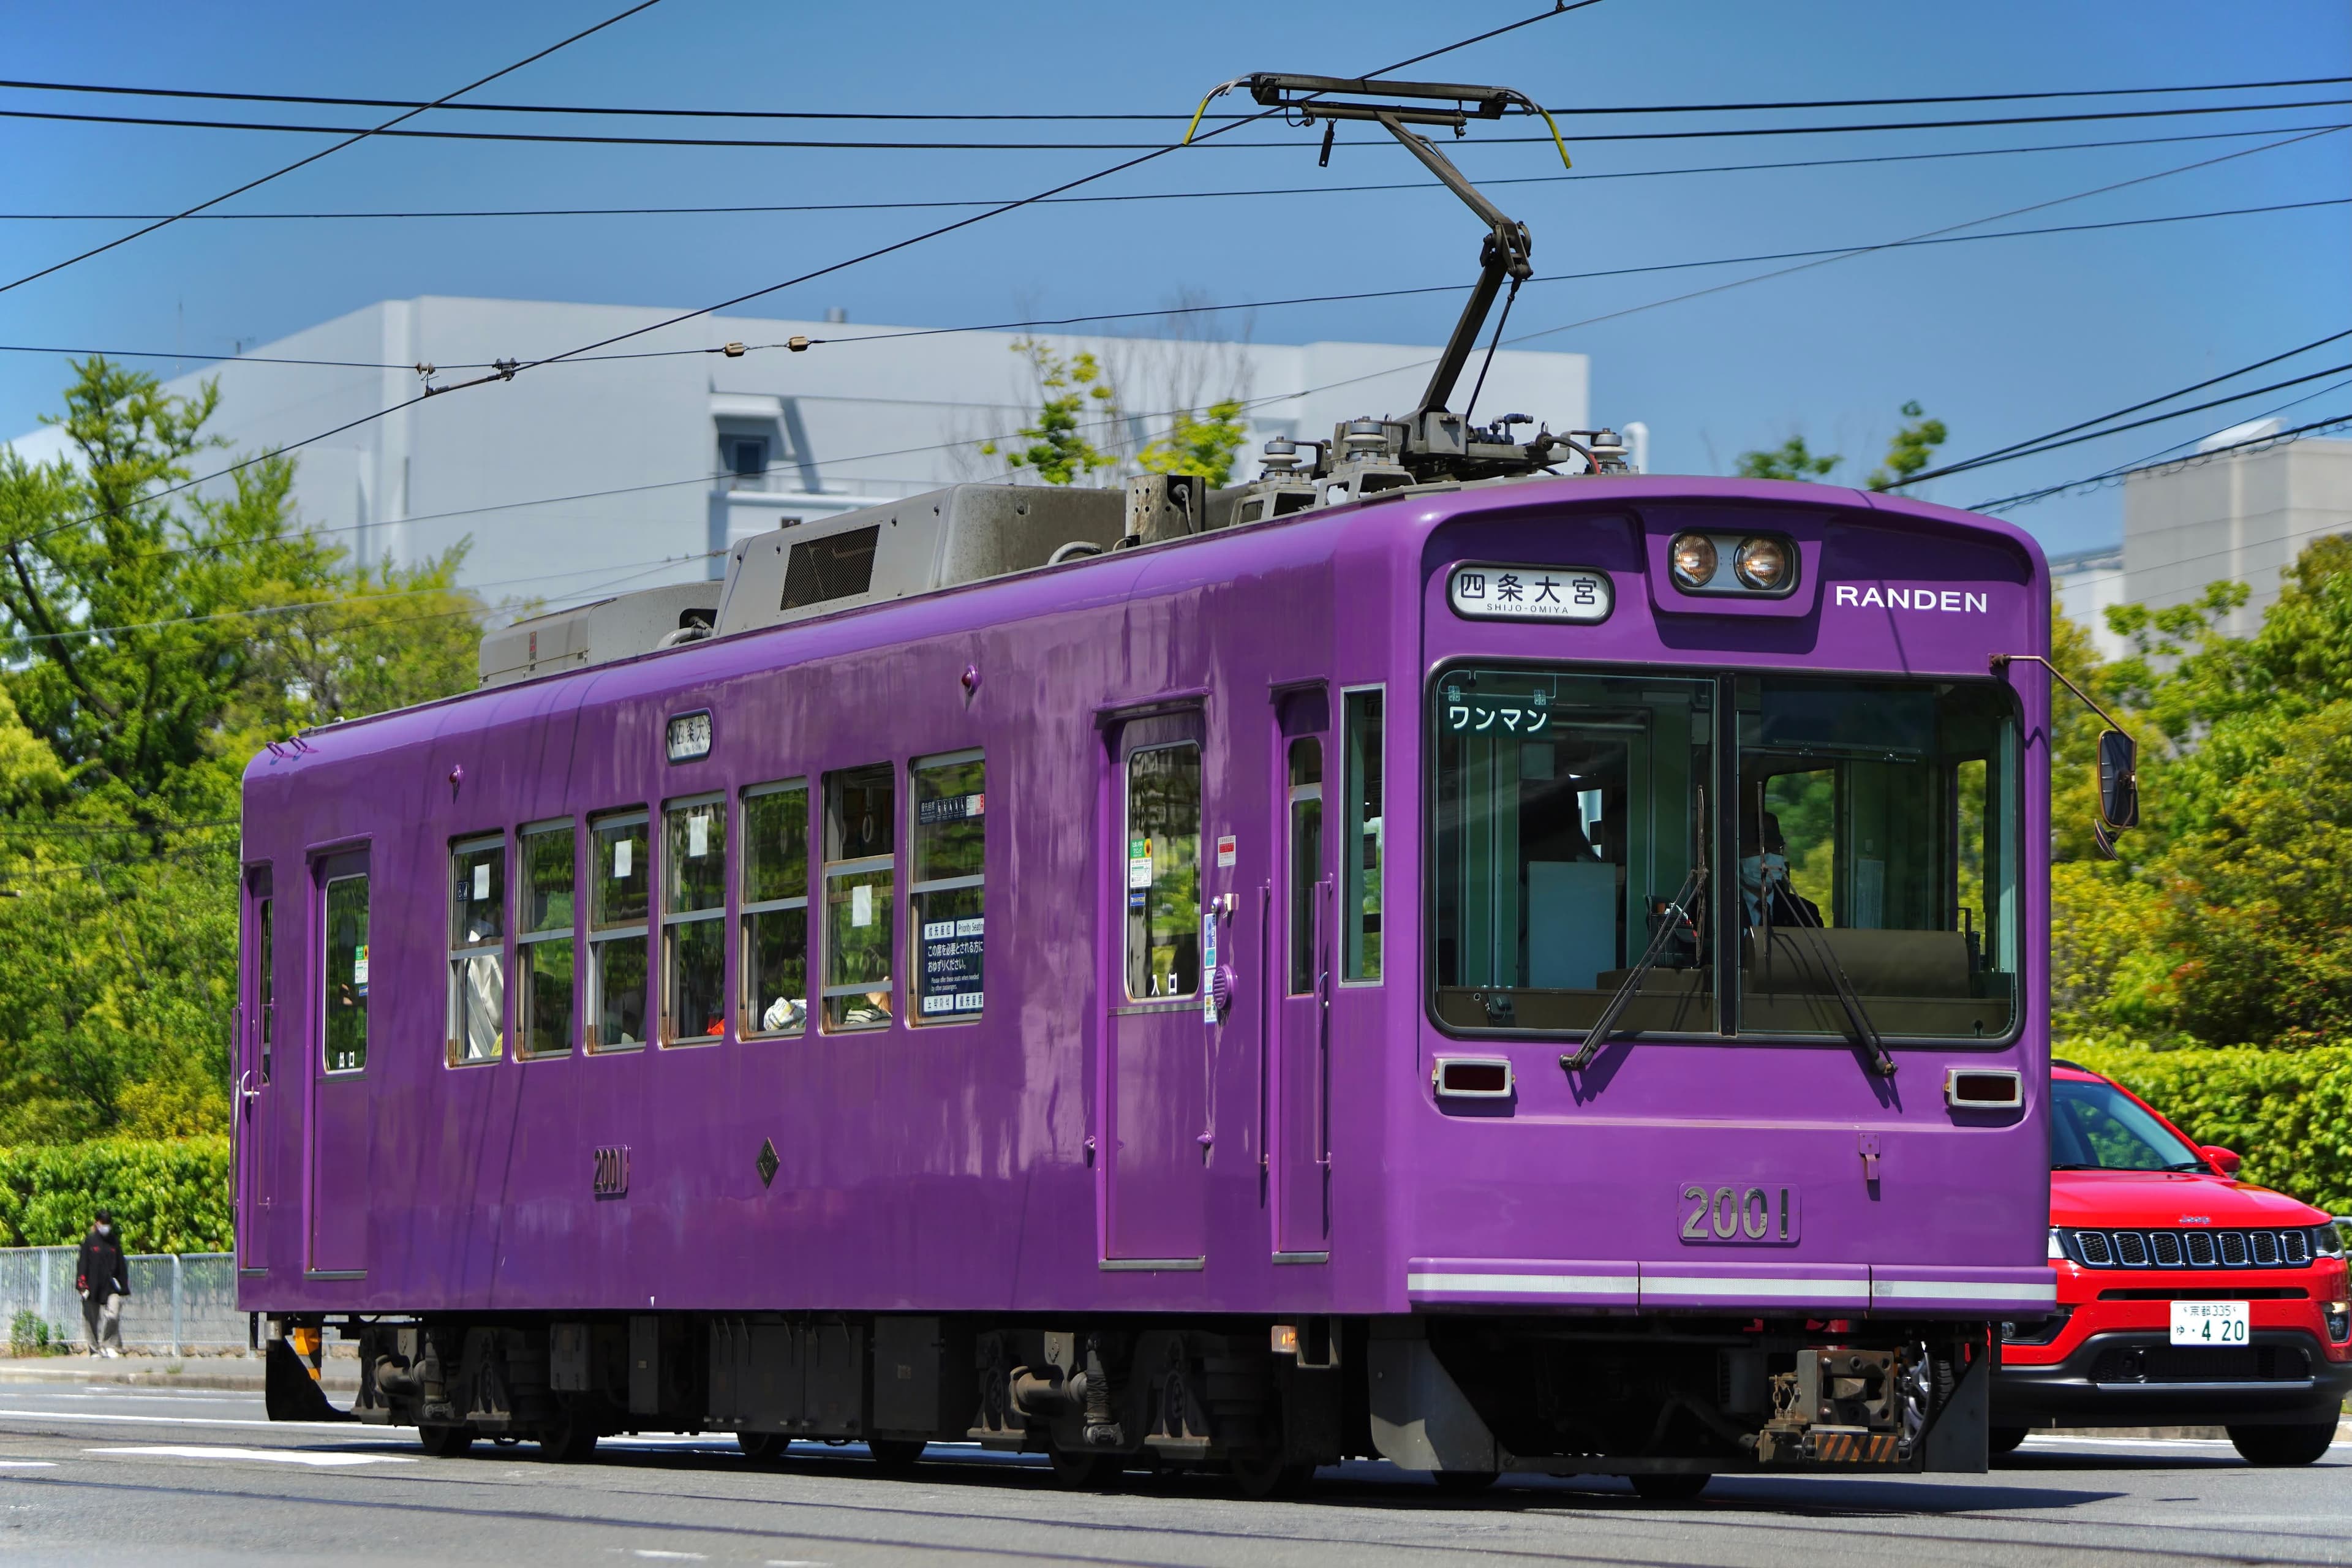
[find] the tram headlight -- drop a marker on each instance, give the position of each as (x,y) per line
(1692,555)
(1761,564)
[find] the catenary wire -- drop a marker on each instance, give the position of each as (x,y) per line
(1167,310)
(510,369)
(351,136)
(1164,195)
(2019,447)
(915,117)
(812,144)
(713,475)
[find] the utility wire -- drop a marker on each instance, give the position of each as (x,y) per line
(1158,195)
(350,136)
(316,101)
(711,476)
(2276,437)
(2001,454)
(731,350)
(806,144)
(508,369)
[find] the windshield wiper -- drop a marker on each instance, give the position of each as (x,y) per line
(1669,926)
(1865,1033)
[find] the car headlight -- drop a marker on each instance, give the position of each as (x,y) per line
(1693,559)
(1761,564)
(2057,1247)
(2327,1241)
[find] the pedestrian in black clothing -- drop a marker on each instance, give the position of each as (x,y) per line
(103,1277)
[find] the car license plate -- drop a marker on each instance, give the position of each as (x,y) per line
(2210,1322)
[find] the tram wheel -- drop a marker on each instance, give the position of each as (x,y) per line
(763,1447)
(1263,1477)
(1077,1470)
(445,1442)
(1679,1487)
(1463,1483)
(895,1456)
(567,1442)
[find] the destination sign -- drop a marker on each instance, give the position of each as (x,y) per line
(689,736)
(1491,591)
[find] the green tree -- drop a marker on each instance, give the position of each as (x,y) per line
(1911,449)
(153,643)
(1205,445)
(1056,448)
(1791,460)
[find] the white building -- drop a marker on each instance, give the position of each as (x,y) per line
(2085,583)
(2243,516)
(594,474)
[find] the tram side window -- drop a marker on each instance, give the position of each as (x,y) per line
(266,988)
(619,883)
(1163,872)
(694,921)
(543,1026)
(1305,859)
(478,956)
(1363,837)
(774,961)
(860,881)
(346,1023)
(944,886)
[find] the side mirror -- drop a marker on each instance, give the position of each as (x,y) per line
(2118,779)
(2225,1160)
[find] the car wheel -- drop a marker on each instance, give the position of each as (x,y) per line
(1669,1488)
(2003,1440)
(2299,1445)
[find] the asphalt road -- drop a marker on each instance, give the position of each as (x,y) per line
(110,1475)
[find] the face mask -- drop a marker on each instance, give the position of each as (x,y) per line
(106,1230)
(1757,872)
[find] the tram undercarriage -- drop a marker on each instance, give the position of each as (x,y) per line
(1666,1401)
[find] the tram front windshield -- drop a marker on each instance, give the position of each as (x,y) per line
(1580,826)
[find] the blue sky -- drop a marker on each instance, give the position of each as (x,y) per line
(2002,338)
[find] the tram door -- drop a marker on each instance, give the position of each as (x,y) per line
(1155,1070)
(256,1126)
(335,1188)
(1301,965)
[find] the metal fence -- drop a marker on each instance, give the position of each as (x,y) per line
(180,1303)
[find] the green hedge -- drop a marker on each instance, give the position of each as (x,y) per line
(176,1197)
(2288,1112)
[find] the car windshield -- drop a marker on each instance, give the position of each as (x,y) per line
(1858,839)
(2097,1126)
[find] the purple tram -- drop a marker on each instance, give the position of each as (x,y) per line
(1414,956)
(1545,974)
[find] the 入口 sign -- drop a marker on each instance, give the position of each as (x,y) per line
(1490,590)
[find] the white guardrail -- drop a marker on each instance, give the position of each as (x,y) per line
(180,1303)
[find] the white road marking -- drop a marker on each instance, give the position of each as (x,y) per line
(27,1464)
(796,1563)
(7,1411)
(268,1455)
(669,1556)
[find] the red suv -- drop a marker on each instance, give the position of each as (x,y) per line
(2184,1296)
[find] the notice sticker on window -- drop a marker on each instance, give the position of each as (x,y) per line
(698,835)
(1228,847)
(481,879)
(623,857)
(360,966)
(861,905)
(1138,871)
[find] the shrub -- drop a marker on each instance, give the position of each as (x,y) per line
(2289,1113)
(167,1196)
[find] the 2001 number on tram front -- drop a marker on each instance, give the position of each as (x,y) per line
(1746,1213)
